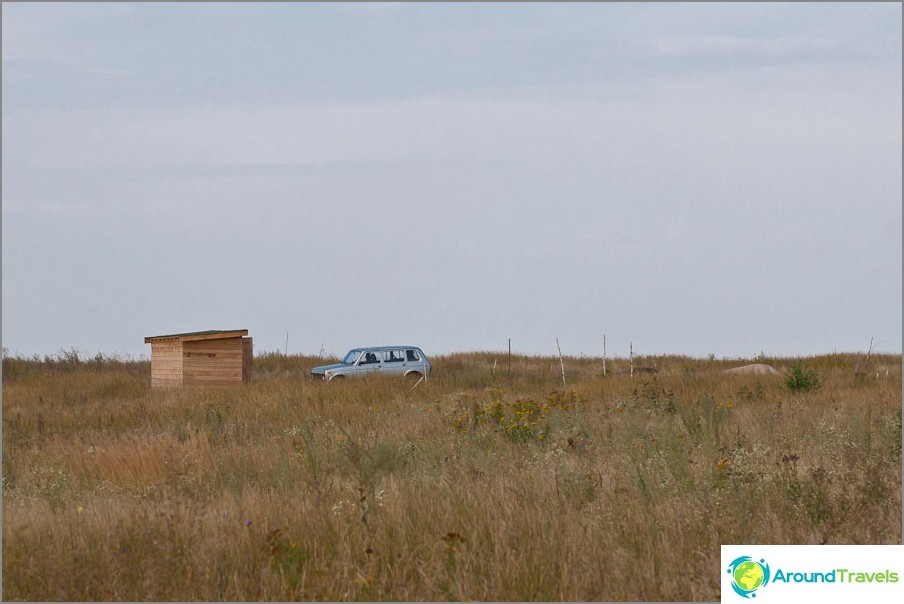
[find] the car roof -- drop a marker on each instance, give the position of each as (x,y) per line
(374,348)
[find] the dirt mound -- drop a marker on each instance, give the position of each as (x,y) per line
(754,369)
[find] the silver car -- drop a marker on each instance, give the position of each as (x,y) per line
(407,361)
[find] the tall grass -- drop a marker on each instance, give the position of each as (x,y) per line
(473,485)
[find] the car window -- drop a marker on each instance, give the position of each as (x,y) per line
(394,356)
(371,356)
(413,355)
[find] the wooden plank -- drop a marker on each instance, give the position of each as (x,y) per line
(208,362)
(212,362)
(236,366)
(213,340)
(199,370)
(212,381)
(215,336)
(165,344)
(226,368)
(232,354)
(213,374)
(211,350)
(197,337)
(213,343)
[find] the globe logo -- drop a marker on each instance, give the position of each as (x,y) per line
(748,575)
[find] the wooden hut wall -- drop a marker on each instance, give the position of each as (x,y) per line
(212,362)
(166,364)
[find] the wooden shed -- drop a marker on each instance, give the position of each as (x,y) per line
(201,358)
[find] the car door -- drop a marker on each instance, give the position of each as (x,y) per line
(414,361)
(394,361)
(371,362)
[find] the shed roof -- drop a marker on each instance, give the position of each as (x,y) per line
(211,334)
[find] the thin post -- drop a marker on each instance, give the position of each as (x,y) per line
(510,360)
(631,354)
(561,362)
(604,355)
(286,353)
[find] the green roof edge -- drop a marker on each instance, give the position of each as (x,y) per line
(209,332)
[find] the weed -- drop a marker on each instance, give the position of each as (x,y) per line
(287,490)
(802,380)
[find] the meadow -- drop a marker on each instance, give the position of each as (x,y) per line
(478,484)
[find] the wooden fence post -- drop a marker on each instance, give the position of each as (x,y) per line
(561,362)
(631,353)
(604,355)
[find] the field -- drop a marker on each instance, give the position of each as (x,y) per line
(474,485)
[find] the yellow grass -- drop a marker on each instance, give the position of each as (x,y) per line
(471,486)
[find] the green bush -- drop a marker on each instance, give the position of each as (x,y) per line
(801,380)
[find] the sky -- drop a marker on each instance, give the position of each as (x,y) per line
(691,179)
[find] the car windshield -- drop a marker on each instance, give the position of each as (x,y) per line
(351,356)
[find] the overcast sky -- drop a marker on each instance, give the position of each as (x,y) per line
(695,178)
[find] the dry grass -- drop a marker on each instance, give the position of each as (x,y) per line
(471,486)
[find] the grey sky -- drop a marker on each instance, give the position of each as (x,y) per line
(696,178)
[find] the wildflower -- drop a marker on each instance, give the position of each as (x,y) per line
(453,538)
(79,509)
(248,523)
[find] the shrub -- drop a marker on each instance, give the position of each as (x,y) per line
(801,380)
(525,419)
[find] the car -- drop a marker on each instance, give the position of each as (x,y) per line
(409,361)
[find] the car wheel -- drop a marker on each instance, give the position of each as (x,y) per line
(337,377)
(413,376)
